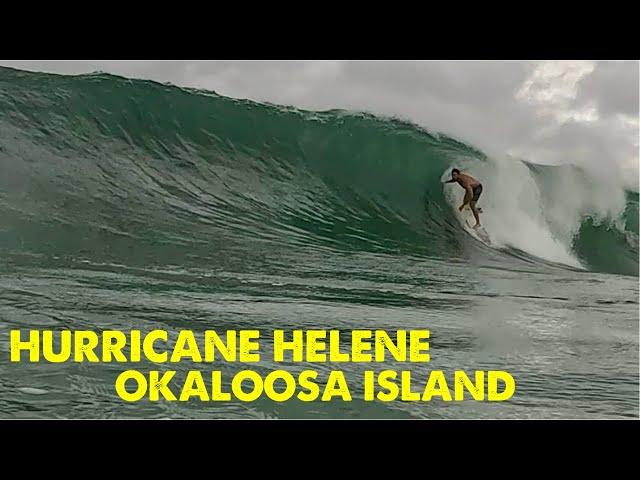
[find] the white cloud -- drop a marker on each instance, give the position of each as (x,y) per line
(552,89)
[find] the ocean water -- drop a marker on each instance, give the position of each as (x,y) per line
(128,204)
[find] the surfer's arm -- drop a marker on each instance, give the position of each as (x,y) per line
(468,195)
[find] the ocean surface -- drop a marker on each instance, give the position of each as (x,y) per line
(129,204)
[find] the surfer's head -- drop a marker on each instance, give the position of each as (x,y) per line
(454,175)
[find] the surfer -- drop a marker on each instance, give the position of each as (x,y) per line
(473,190)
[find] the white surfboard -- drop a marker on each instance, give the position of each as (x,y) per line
(468,221)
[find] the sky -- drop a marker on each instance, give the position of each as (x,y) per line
(580,112)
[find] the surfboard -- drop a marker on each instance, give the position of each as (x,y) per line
(469,221)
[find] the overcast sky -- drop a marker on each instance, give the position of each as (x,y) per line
(548,112)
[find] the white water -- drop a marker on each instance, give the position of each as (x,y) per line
(541,221)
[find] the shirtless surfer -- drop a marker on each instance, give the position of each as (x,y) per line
(473,190)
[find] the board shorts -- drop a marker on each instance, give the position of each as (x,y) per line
(477,191)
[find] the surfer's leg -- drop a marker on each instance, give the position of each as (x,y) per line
(476,196)
(472,204)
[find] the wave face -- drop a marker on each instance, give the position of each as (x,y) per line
(111,169)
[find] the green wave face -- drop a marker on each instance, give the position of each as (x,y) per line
(107,168)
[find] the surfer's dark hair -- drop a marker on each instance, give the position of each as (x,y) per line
(455,170)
